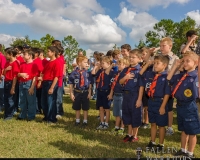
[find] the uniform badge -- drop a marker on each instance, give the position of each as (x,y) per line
(197,84)
(112,80)
(76,81)
(148,85)
(163,79)
(188,93)
(191,80)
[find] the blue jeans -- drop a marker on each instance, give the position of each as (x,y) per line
(59,101)
(49,101)
(1,99)
(27,101)
(9,100)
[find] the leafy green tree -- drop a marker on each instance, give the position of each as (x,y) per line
(141,44)
(71,49)
(20,41)
(45,42)
(169,28)
(35,44)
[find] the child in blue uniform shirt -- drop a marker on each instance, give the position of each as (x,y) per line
(132,96)
(80,81)
(185,90)
(116,94)
(103,77)
(158,90)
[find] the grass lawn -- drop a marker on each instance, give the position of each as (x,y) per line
(36,139)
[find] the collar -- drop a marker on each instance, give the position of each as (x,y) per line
(162,73)
(192,73)
(136,67)
(170,55)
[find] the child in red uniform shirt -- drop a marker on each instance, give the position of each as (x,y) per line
(19,52)
(49,79)
(27,92)
(40,67)
(10,72)
(59,100)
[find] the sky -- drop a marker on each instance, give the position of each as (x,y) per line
(97,25)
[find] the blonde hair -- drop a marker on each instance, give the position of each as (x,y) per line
(168,40)
(124,61)
(137,52)
(80,59)
(106,59)
(192,55)
(115,52)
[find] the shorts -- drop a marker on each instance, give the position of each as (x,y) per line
(187,117)
(153,112)
(117,105)
(81,101)
(102,99)
(145,98)
(130,114)
(170,104)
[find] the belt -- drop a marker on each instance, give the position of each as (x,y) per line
(80,91)
(118,94)
(102,90)
(127,92)
(155,98)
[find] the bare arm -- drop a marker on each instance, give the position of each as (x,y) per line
(186,48)
(139,100)
(174,69)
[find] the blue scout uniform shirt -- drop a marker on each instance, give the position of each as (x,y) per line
(115,68)
(188,89)
(162,85)
(132,84)
(118,87)
(106,81)
(75,79)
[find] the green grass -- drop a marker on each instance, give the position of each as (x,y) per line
(35,139)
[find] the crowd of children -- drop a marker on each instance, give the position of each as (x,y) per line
(141,84)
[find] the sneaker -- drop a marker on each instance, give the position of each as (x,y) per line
(151,145)
(120,132)
(169,132)
(179,153)
(189,156)
(84,125)
(127,138)
(105,126)
(58,116)
(159,148)
(101,126)
(115,130)
(77,123)
(135,139)
(145,126)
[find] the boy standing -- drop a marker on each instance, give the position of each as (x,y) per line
(80,89)
(132,96)
(103,77)
(116,94)
(158,90)
(185,90)
(125,49)
(50,75)
(10,85)
(27,91)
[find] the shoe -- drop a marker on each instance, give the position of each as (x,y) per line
(44,119)
(105,126)
(114,130)
(145,126)
(179,153)
(135,139)
(120,132)
(101,126)
(84,125)
(20,119)
(189,156)
(29,120)
(7,118)
(159,148)
(151,145)
(58,116)
(77,123)
(15,113)
(169,132)
(127,138)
